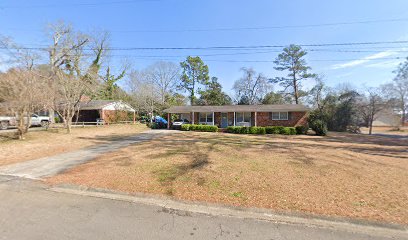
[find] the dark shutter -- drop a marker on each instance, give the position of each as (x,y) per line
(289,116)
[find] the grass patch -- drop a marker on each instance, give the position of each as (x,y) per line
(348,175)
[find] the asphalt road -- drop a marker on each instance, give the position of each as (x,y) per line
(29,211)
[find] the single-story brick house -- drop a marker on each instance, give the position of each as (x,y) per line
(108,110)
(289,115)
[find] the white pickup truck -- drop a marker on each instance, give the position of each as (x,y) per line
(36,120)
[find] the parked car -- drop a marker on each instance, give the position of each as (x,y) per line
(5,122)
(36,120)
(178,122)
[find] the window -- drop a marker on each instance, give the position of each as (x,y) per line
(279,115)
(206,117)
(243,117)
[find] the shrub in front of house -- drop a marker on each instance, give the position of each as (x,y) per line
(155,125)
(302,130)
(185,127)
(274,130)
(246,130)
(257,130)
(199,128)
(288,131)
(319,127)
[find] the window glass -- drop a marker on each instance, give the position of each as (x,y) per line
(284,116)
(275,116)
(247,117)
(202,117)
(240,117)
(209,117)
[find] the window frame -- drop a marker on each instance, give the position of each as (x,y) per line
(207,116)
(280,116)
(243,117)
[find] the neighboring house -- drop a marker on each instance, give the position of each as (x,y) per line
(108,110)
(242,115)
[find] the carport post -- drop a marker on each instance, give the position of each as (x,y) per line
(192,118)
(234,119)
(255,118)
(134,117)
(168,120)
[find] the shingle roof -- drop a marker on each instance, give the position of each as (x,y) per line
(95,104)
(238,108)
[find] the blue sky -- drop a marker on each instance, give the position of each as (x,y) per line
(168,23)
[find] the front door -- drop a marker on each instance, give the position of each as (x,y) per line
(224,120)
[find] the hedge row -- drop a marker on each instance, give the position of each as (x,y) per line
(269,130)
(199,128)
(246,130)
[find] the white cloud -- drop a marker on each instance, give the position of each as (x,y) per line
(364,60)
(384,64)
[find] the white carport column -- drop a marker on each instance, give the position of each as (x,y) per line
(192,119)
(234,119)
(256,114)
(213,119)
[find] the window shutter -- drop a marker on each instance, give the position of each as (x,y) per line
(270,116)
(289,115)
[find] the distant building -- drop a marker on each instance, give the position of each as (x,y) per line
(107,110)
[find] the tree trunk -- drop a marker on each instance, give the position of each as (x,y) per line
(51,115)
(371,120)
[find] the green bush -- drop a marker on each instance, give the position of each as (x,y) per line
(232,129)
(257,130)
(302,130)
(319,127)
(200,128)
(156,125)
(288,131)
(280,130)
(185,127)
(275,130)
(246,130)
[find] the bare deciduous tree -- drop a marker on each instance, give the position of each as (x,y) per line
(22,92)
(397,90)
(166,77)
(144,92)
(74,70)
(251,88)
(371,104)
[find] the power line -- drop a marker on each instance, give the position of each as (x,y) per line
(231,47)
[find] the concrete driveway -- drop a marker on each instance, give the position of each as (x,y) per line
(48,166)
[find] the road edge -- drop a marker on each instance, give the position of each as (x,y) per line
(171,205)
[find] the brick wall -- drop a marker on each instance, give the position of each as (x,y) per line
(111,116)
(296,119)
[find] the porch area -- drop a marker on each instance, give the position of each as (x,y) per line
(288,115)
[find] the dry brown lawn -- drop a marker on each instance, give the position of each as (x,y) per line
(357,176)
(402,131)
(54,141)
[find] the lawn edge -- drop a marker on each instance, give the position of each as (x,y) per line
(294,218)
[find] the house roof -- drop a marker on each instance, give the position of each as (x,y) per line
(94,104)
(101,104)
(239,108)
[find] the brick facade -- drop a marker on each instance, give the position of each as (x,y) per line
(295,119)
(263,119)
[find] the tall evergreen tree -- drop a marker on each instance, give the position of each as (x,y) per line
(292,60)
(213,94)
(195,73)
